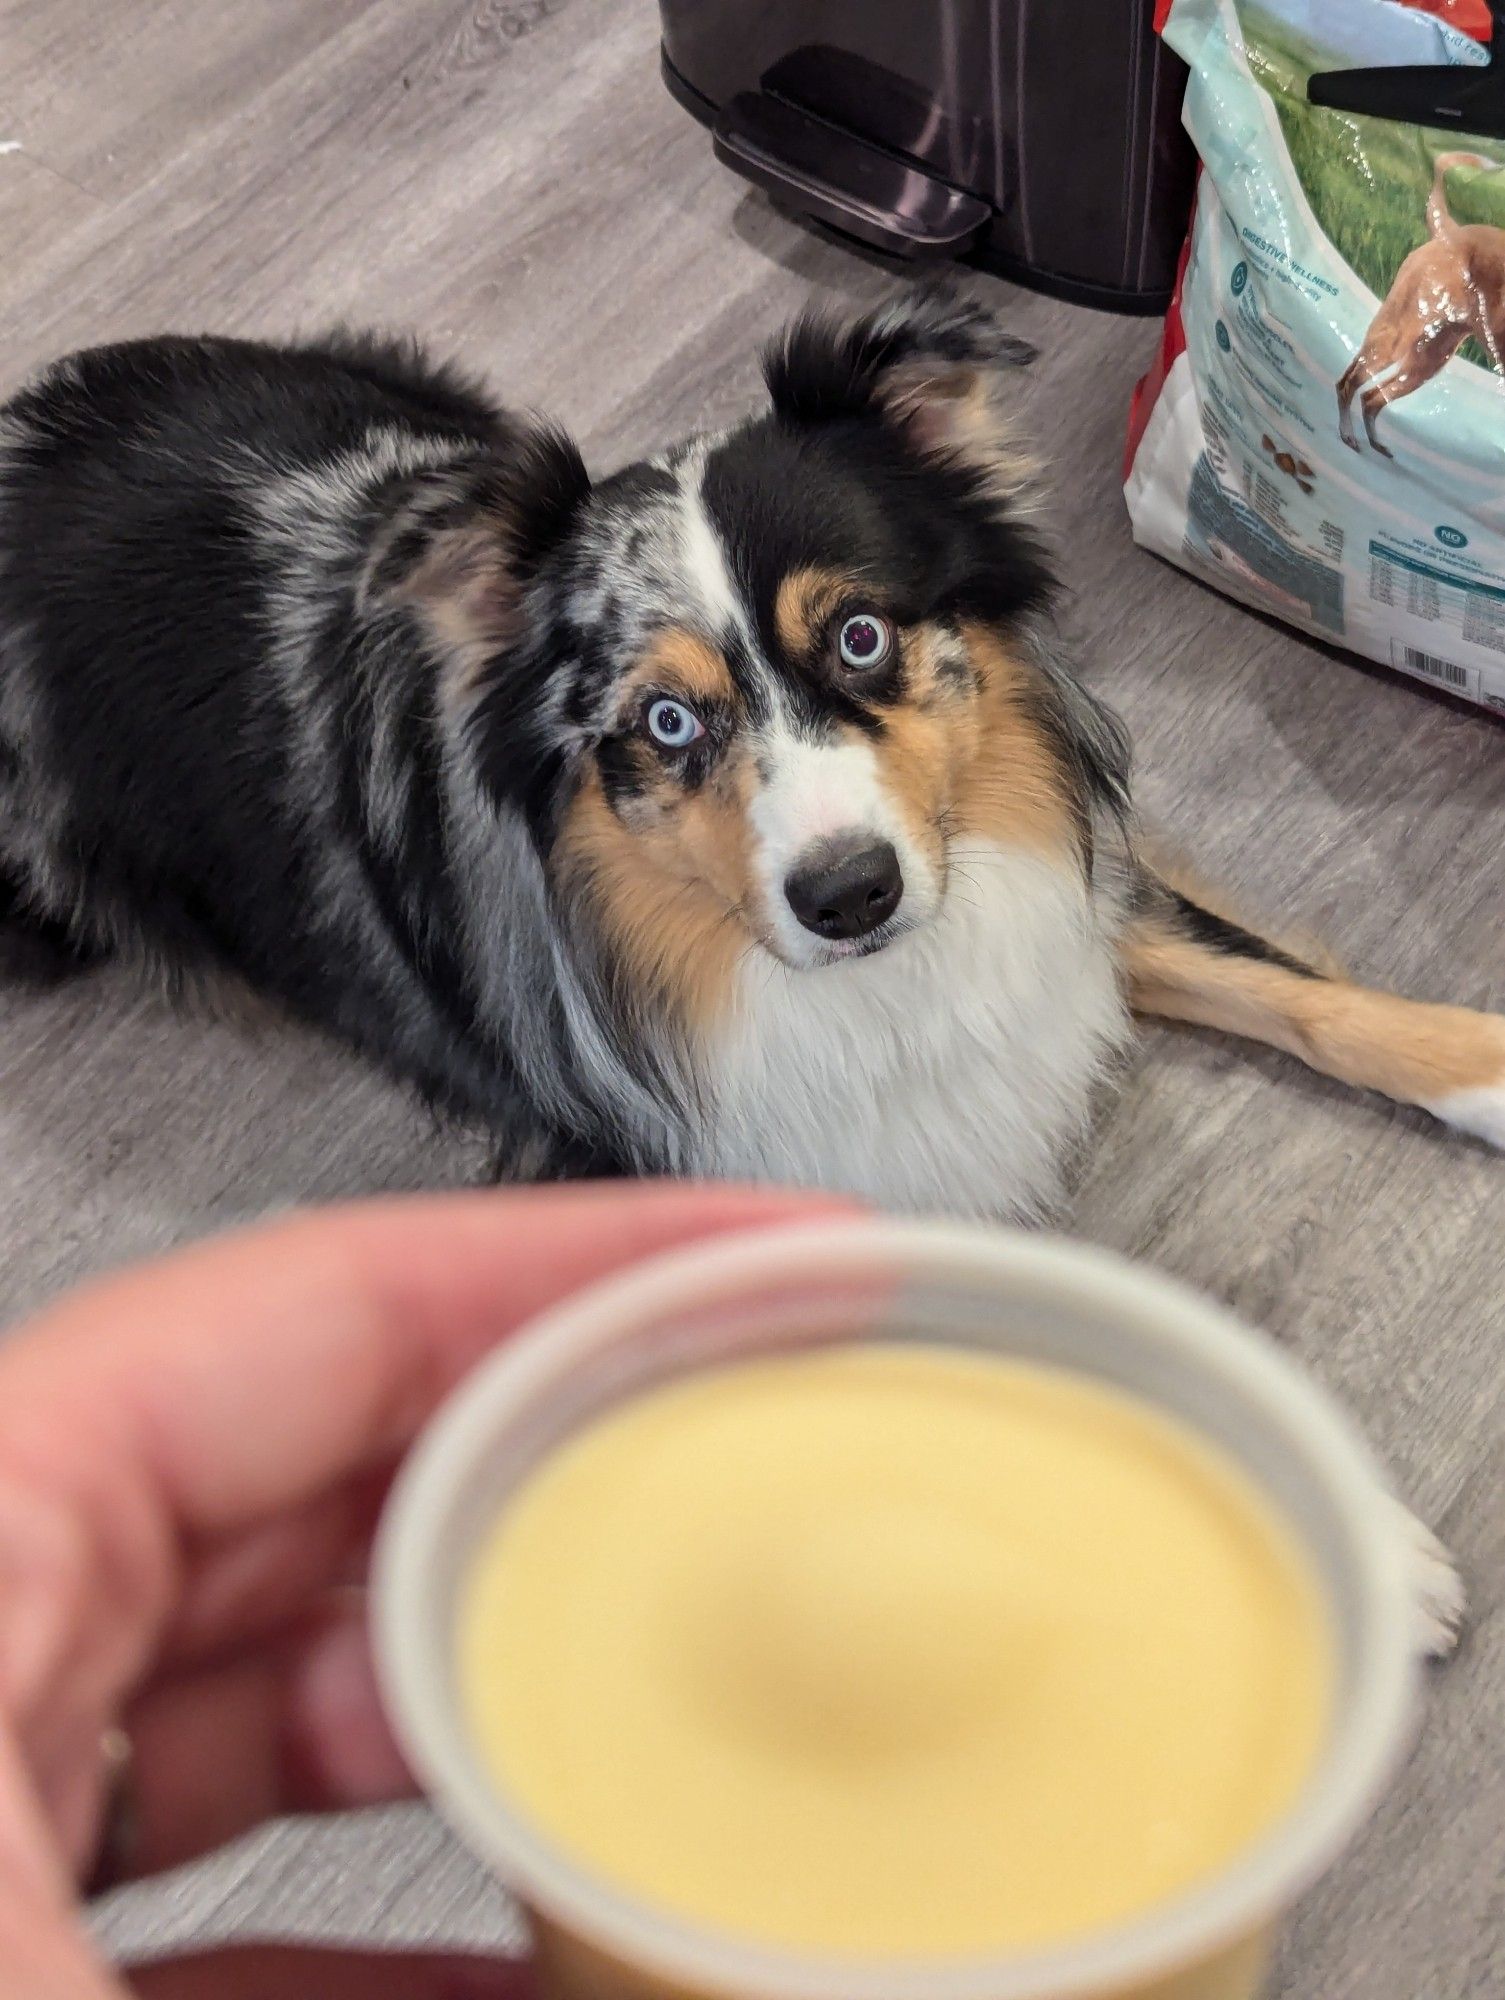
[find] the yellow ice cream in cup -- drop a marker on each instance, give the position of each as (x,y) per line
(896,1612)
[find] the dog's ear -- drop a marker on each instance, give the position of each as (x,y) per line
(457,545)
(928,364)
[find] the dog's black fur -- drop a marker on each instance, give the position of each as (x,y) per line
(238,729)
(164,787)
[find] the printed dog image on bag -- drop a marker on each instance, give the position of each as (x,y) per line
(1414,216)
(1339,329)
(1450,288)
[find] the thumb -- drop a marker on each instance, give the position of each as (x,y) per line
(45,1955)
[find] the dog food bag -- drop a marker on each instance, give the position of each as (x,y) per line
(1323,433)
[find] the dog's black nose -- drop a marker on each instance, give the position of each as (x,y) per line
(847,893)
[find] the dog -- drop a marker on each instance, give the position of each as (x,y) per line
(739,813)
(1451,287)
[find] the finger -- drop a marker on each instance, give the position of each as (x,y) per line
(296,1727)
(243,1378)
(288,1972)
(44,1952)
(218,1389)
(241,1587)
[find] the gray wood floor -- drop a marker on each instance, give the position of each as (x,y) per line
(508,176)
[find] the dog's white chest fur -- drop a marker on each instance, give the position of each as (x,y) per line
(950,1073)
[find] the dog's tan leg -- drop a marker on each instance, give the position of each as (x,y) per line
(1183,963)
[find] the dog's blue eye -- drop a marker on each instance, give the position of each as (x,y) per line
(865,641)
(674,725)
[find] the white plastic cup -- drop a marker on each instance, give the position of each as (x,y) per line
(1024,1296)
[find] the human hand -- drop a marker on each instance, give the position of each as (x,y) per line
(192,1457)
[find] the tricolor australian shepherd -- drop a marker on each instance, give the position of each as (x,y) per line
(736,814)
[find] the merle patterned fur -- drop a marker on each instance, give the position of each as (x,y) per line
(238,734)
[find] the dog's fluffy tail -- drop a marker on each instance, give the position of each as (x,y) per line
(1183,961)
(1439,215)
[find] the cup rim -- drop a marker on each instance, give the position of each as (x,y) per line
(1366,1740)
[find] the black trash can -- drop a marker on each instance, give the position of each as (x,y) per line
(1039,138)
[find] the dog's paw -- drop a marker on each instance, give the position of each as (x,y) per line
(1480,1111)
(1473,1045)
(1439,1594)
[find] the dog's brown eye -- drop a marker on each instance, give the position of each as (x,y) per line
(864,641)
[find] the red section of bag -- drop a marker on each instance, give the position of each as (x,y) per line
(1469,17)
(1172,342)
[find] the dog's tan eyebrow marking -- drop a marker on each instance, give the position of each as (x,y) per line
(806,599)
(683,663)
